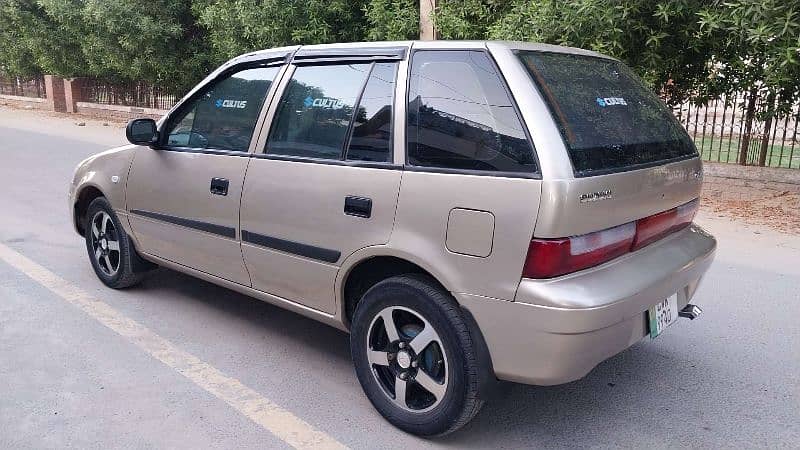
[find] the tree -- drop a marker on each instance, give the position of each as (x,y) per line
(133,40)
(32,41)
(392,20)
(239,26)
(661,40)
(757,51)
(469,19)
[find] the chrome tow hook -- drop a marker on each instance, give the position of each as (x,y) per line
(690,311)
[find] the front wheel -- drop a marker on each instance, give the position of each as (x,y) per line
(414,356)
(110,250)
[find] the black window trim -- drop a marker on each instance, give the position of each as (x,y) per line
(330,162)
(277,61)
(348,54)
(339,60)
(536,174)
(348,135)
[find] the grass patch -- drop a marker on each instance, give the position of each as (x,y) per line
(727,150)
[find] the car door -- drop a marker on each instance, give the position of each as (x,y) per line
(183,196)
(324,185)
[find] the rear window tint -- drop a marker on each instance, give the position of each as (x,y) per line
(609,120)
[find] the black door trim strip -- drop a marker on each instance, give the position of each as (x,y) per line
(212,228)
(296,248)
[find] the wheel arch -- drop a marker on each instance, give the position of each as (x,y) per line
(367,267)
(85,196)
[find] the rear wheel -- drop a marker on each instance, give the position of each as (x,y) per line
(414,356)
(110,251)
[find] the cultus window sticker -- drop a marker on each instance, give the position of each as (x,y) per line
(323,102)
(238,104)
(609,101)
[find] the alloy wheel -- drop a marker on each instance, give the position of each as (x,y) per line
(407,359)
(105,243)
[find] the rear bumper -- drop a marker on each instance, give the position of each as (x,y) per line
(558,330)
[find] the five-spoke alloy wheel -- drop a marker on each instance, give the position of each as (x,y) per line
(407,358)
(110,250)
(414,356)
(105,243)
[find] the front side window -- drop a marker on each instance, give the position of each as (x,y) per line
(224,115)
(313,117)
(460,115)
(609,120)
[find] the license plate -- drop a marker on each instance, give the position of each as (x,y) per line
(663,314)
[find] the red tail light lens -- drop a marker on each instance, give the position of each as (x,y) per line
(553,257)
(549,258)
(655,227)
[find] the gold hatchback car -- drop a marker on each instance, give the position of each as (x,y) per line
(468,211)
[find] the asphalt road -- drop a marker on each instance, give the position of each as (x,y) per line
(729,379)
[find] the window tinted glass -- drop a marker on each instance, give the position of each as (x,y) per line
(314,114)
(223,117)
(609,120)
(460,115)
(372,126)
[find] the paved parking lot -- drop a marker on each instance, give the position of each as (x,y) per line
(178,362)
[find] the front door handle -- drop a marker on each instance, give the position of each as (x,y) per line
(219,186)
(358,206)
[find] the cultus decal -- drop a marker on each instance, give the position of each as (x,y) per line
(323,102)
(238,104)
(609,101)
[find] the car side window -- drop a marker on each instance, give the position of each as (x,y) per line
(371,138)
(314,114)
(223,116)
(460,115)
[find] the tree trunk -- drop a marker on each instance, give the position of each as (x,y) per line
(427,30)
(748,127)
(762,155)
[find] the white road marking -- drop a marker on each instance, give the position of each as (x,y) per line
(280,422)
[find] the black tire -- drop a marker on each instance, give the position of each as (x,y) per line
(129,269)
(422,296)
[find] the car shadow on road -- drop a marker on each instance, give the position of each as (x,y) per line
(625,396)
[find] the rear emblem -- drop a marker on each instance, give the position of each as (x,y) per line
(595,196)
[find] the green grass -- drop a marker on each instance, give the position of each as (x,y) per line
(727,150)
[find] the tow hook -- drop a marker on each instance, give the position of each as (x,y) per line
(690,311)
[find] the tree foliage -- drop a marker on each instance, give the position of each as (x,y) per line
(392,20)
(758,49)
(695,49)
(238,26)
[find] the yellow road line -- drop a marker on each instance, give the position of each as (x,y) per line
(280,422)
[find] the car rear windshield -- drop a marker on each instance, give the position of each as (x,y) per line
(609,120)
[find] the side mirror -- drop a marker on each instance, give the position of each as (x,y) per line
(142,132)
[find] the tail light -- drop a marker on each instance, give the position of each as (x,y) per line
(549,258)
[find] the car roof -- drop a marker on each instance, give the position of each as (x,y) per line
(437,44)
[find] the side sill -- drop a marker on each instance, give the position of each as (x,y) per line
(281,302)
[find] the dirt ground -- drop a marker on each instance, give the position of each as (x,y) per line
(775,205)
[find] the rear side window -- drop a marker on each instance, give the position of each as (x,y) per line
(224,115)
(460,115)
(609,120)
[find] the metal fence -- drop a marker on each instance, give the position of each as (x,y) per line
(33,87)
(720,131)
(136,94)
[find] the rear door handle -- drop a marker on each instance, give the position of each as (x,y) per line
(358,206)
(219,186)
